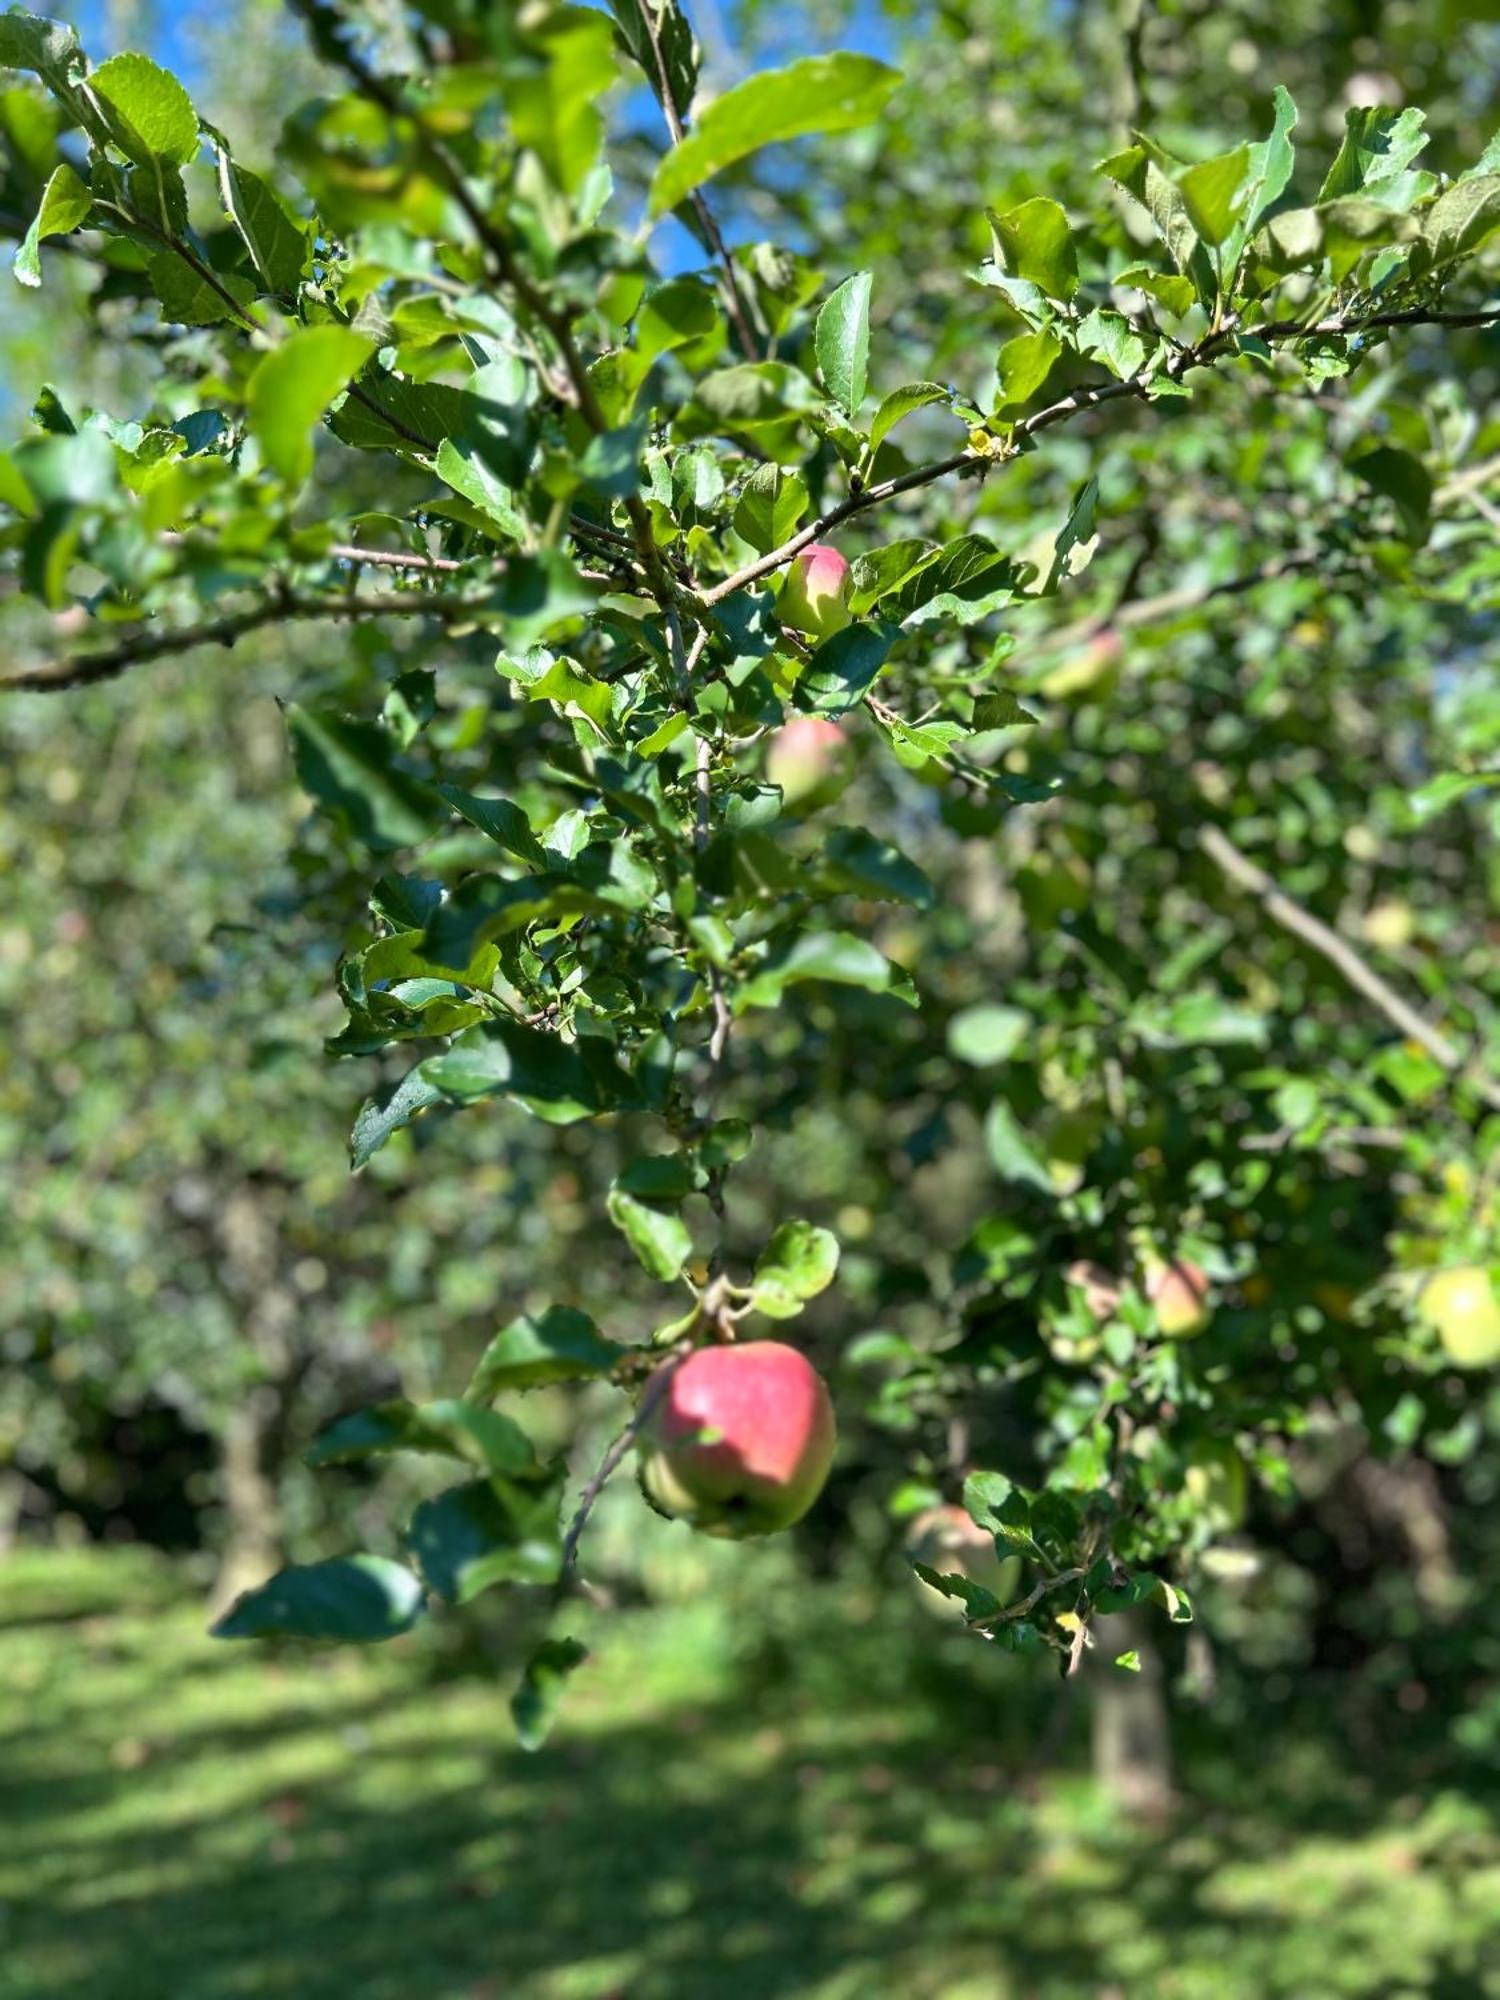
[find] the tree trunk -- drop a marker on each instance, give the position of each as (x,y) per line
(1132,1745)
(252,1511)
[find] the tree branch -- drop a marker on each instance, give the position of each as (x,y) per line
(87,669)
(1213,347)
(1282,909)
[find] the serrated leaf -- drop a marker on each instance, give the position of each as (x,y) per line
(661,1240)
(1214,193)
(1378,144)
(291,388)
(150,115)
(900,403)
(486,1532)
(771,504)
(800,1261)
(535,1703)
(986,1496)
(1037,245)
(824,955)
(976,1600)
(841,340)
(844,668)
(356,1599)
(65,204)
(277,243)
(449,1428)
(350,768)
(834,93)
(560,1344)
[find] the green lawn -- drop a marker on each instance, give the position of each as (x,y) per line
(190,1821)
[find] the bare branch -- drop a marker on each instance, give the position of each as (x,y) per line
(1282,909)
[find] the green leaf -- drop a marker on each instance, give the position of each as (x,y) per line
(1011,1149)
(380,1116)
(48,48)
(290,390)
(900,403)
(1378,144)
(828,955)
(834,93)
(1074,548)
(661,1240)
(986,1498)
(190,298)
(1214,193)
(841,340)
(860,864)
(278,244)
(488,1531)
(557,1081)
(1401,477)
(844,668)
(150,115)
(462,466)
(535,1703)
(1272,159)
(1199,1019)
(1037,245)
(1024,364)
(484,1438)
(501,821)
(975,1599)
(560,1344)
(681,310)
(351,1598)
(1438,794)
(988,1033)
(1131,1661)
(799,1262)
(350,767)
(1460,221)
(665,28)
(65,203)
(771,504)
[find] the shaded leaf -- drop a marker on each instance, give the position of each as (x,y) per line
(351,1598)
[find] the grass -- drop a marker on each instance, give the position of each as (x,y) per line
(810,1812)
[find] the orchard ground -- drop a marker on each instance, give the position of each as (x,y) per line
(780,1791)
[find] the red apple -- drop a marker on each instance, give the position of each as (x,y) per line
(739,1438)
(1179,1292)
(808,757)
(813,596)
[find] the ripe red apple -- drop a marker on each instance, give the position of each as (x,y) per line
(1179,1292)
(809,758)
(945,1539)
(813,596)
(1460,1306)
(739,1438)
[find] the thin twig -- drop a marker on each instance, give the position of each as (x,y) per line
(611,1462)
(351,552)
(1282,909)
(156,643)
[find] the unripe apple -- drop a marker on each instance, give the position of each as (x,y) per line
(1218,1485)
(1179,1292)
(808,758)
(945,1539)
(1460,1306)
(813,598)
(1092,672)
(738,1439)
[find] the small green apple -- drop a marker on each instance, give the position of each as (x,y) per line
(738,1439)
(1460,1306)
(814,596)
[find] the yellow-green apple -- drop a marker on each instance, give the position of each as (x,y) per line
(1217,1484)
(1179,1292)
(737,1439)
(814,596)
(1460,1306)
(946,1540)
(808,758)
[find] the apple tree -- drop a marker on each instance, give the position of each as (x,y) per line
(783,716)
